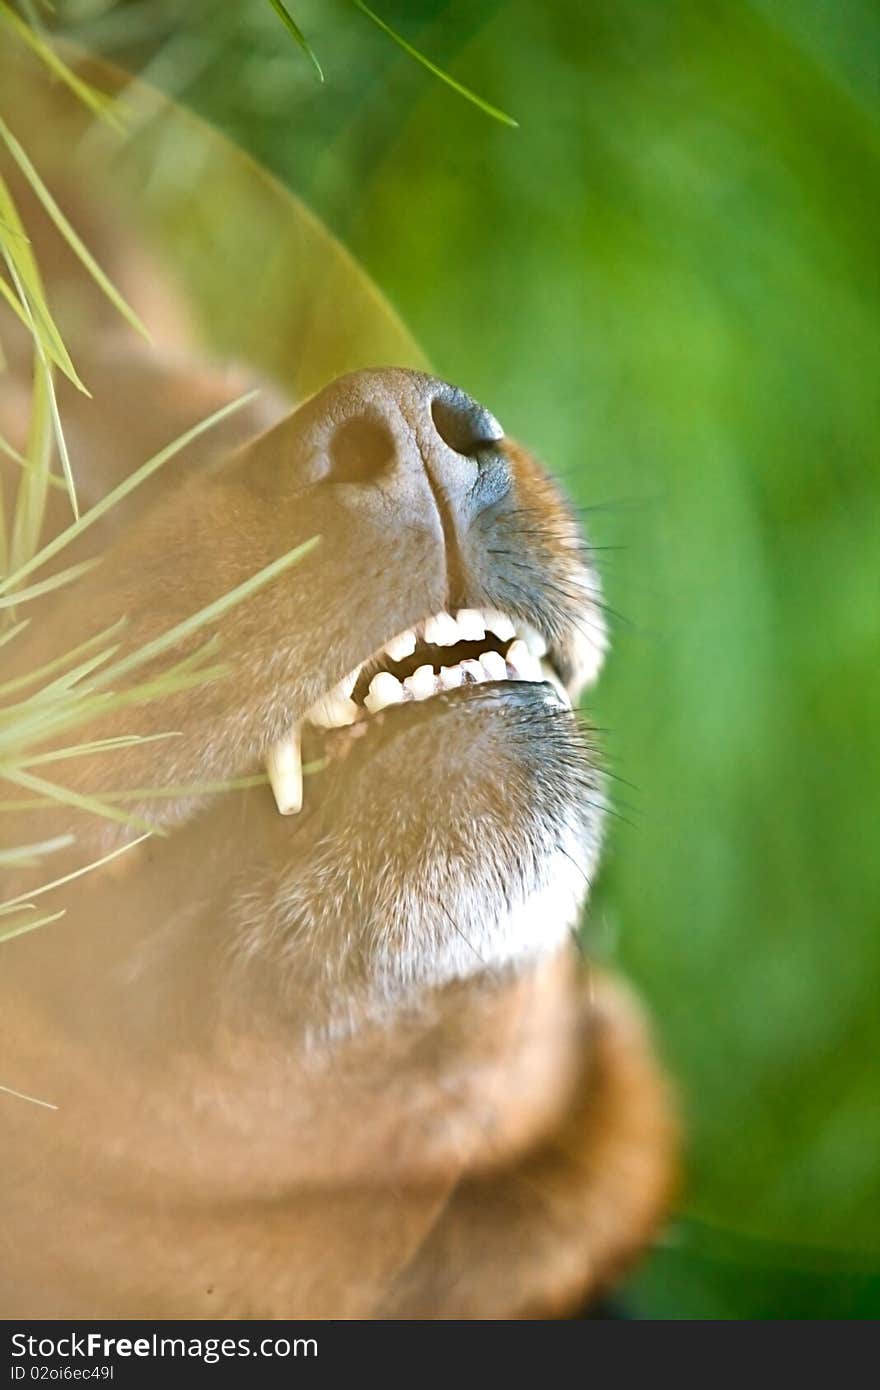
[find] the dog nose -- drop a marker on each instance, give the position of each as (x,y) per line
(448,424)
(397,436)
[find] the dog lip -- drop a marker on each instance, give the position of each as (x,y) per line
(485,646)
(397,719)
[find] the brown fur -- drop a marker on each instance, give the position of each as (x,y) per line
(498,1147)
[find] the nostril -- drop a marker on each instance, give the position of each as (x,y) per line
(360,450)
(463,425)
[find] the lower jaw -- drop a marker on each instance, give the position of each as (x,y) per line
(381,727)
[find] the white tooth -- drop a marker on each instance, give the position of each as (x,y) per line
(284,766)
(526,666)
(385,689)
(404,644)
(441,630)
(548,674)
(447,630)
(473,672)
(533,640)
(518,657)
(470,625)
(494,665)
(348,683)
(333,711)
(421,683)
(451,677)
(500,624)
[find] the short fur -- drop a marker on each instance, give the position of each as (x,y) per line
(345,1065)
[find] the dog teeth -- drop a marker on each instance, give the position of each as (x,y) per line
(500,624)
(450,677)
(494,665)
(534,641)
(473,673)
(470,625)
(548,674)
(442,631)
(348,683)
(284,766)
(335,710)
(385,690)
(402,645)
(525,648)
(422,683)
(521,661)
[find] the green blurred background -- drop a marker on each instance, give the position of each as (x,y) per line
(666,281)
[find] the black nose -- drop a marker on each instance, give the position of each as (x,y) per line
(463,425)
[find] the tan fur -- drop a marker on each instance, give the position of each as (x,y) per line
(504,1149)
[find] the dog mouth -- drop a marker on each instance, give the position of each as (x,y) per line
(447,655)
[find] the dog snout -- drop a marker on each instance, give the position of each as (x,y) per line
(402,437)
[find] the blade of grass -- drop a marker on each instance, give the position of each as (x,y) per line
(96,101)
(36,725)
(12,301)
(36,314)
(30,497)
(8,1090)
(299,37)
(73,240)
(208,614)
(128,485)
(48,388)
(444,76)
(12,932)
(4,540)
(13,454)
(12,633)
(93,805)
(45,586)
(38,672)
(30,853)
(7,449)
(98,745)
(23,898)
(62,685)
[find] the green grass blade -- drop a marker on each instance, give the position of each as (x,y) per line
(74,874)
(208,614)
(96,101)
(63,684)
(51,401)
(98,745)
(39,672)
(7,449)
(128,485)
(15,306)
(45,586)
(13,454)
(28,285)
(29,854)
(30,497)
(299,37)
(12,633)
(70,236)
(78,800)
(9,935)
(444,76)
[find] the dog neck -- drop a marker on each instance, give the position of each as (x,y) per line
(155,1041)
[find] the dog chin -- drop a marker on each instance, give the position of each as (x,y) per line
(447,840)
